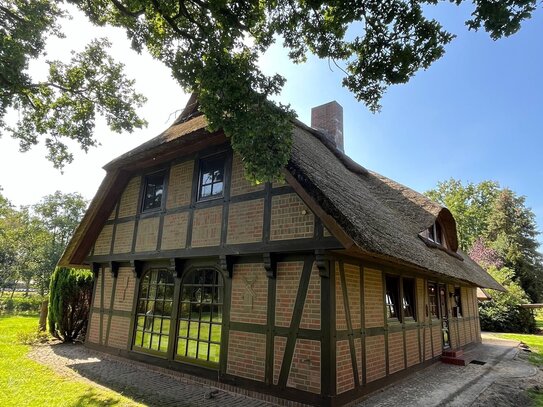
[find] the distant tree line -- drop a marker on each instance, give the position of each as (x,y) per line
(32,239)
(499,232)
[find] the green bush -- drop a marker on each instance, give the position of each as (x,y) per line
(503,313)
(70,295)
(21,304)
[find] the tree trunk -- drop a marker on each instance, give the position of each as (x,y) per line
(43,315)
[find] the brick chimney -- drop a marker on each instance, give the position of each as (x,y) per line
(328,118)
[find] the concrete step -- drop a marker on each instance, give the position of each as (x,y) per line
(453,353)
(458,361)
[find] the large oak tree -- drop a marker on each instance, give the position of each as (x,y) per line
(212,48)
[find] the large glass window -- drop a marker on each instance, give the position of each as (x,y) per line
(154,310)
(211,182)
(200,316)
(392,297)
(154,189)
(408,300)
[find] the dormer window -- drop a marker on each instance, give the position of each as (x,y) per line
(435,233)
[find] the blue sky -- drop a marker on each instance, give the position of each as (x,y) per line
(474,115)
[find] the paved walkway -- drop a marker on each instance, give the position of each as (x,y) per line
(500,381)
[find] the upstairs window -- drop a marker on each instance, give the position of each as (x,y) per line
(457,303)
(392,297)
(211,180)
(408,300)
(154,190)
(435,233)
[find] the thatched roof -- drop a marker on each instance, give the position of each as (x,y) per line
(381,216)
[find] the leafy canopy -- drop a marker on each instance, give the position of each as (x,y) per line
(212,48)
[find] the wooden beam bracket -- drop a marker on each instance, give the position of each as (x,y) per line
(95,268)
(226,263)
(322,263)
(114,268)
(177,266)
(137,267)
(270,264)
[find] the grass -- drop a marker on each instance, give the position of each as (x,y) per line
(27,383)
(535,343)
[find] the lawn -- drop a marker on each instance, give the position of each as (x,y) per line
(535,343)
(27,383)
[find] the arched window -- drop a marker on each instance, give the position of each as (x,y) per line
(200,316)
(154,311)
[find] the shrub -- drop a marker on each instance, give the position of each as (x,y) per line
(21,304)
(503,313)
(70,295)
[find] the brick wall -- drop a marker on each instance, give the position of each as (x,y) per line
(359,360)
(341,316)
(206,228)
(290,218)
(245,222)
(118,332)
(103,243)
(180,185)
(437,339)
(288,280)
(311,315)
(305,370)
(128,204)
(108,286)
(395,352)
(344,367)
(412,347)
(352,279)
(123,237)
(124,292)
(113,213)
(375,358)
(247,355)
(279,345)
(240,185)
(174,231)
(93,333)
(373,298)
(249,294)
(147,235)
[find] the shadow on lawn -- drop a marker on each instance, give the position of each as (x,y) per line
(91,398)
(142,385)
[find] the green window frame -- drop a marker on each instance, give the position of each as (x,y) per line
(153,312)
(200,317)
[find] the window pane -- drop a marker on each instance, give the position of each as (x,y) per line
(392,296)
(182,347)
(200,318)
(211,177)
(205,191)
(217,188)
(408,301)
(154,318)
(432,301)
(154,188)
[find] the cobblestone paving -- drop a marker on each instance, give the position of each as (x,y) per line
(134,379)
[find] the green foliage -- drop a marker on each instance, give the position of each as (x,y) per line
(25,382)
(64,106)
(69,303)
(503,313)
(212,48)
(21,304)
(498,219)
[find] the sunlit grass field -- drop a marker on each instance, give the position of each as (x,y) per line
(24,382)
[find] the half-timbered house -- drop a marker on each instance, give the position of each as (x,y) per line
(317,289)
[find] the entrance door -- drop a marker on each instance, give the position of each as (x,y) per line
(444,312)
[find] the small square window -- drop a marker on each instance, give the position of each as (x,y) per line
(392,297)
(154,190)
(408,300)
(211,179)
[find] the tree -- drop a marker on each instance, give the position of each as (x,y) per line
(470,204)
(212,48)
(69,303)
(60,214)
(497,229)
